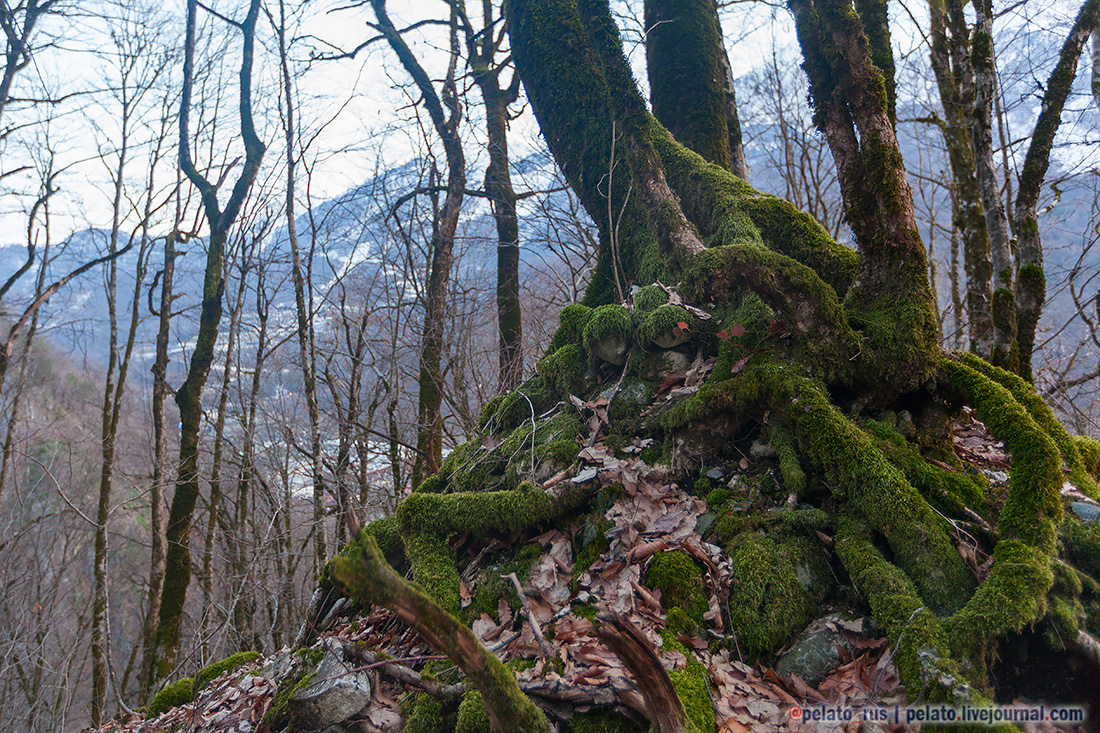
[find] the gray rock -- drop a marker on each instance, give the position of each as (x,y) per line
(715,474)
(760,449)
(611,349)
(335,694)
(906,426)
(673,361)
(815,653)
(997,477)
(1087,512)
(671,340)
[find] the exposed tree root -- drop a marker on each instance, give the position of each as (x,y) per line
(364,574)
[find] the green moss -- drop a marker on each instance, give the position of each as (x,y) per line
(571,322)
(602,721)
(820,336)
(428,520)
(278,715)
(692,687)
(1012,596)
(717,499)
(898,609)
(1081,544)
(489,411)
(680,624)
(1089,450)
(533,397)
(217,669)
(472,715)
(1024,394)
(768,603)
(608,323)
(311,657)
(491,584)
(661,321)
(178,693)
(1034,506)
(423,714)
(725,209)
(794,478)
(649,298)
(585,611)
(388,536)
(680,580)
(951,490)
(860,475)
(564,369)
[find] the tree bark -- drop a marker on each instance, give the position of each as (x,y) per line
(1004,353)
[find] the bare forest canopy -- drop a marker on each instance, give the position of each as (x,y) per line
(545,364)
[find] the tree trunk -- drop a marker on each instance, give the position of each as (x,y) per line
(1004,353)
(177,574)
(689,76)
(446,114)
(160,465)
(955,79)
(1031,278)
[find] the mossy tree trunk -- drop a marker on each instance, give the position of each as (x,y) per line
(893,303)
(1031,282)
(445,112)
(160,466)
(689,75)
(177,574)
(483,48)
(955,79)
(983,64)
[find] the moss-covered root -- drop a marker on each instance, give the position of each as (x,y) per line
(726,210)
(922,645)
(1036,406)
(810,309)
(794,478)
(1015,592)
(428,520)
(364,574)
(1034,506)
(865,481)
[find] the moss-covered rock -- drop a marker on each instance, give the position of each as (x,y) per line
(217,669)
(666,327)
(571,322)
(564,369)
(768,603)
(681,582)
(607,335)
(649,298)
(178,693)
